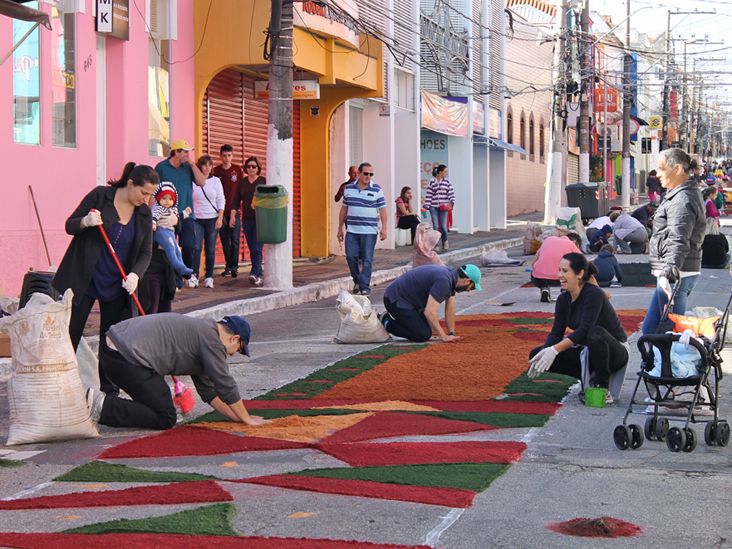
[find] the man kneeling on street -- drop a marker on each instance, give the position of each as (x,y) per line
(139,352)
(413,299)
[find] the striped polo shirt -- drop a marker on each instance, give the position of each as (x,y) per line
(363,208)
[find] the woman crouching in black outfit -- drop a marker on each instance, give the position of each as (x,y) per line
(584,308)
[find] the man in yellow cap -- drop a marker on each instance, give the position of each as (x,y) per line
(179,170)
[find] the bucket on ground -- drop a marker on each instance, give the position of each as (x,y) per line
(595,397)
(270,204)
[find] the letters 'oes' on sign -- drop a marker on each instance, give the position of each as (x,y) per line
(301,89)
(606,99)
(104,16)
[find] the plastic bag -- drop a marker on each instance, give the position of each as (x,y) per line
(497,258)
(532,238)
(45,393)
(359,322)
(685,361)
(88,365)
(424,246)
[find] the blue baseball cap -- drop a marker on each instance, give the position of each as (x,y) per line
(240,326)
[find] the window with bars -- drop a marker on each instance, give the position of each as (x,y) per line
(531,138)
(522,133)
(542,146)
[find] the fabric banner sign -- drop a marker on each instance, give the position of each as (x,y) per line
(444,116)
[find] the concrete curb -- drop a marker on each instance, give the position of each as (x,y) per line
(307,294)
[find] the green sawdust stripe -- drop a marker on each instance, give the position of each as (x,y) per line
(521,320)
(539,391)
(272,414)
(101,471)
(497,419)
(469,476)
(7,463)
(311,386)
(214,520)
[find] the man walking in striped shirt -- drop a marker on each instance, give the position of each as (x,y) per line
(363,207)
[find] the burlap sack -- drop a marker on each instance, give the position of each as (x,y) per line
(359,322)
(45,393)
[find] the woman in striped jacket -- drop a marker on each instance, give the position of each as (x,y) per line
(439,200)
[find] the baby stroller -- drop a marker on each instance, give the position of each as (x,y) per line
(697,395)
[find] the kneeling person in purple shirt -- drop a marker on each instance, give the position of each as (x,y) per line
(139,352)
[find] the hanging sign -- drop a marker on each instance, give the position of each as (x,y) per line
(443,115)
(655,122)
(104,16)
(606,100)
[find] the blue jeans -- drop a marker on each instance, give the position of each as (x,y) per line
(205,232)
(360,247)
(255,246)
(166,239)
(439,221)
(230,243)
(187,239)
(659,302)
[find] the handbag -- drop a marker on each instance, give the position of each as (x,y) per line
(444,207)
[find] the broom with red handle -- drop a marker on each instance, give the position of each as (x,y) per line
(183,397)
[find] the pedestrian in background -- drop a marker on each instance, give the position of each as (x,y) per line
(545,266)
(247,186)
(439,201)
(352,178)
(230,234)
(631,236)
(406,218)
(208,206)
(363,207)
(179,170)
(678,233)
(88,267)
(653,186)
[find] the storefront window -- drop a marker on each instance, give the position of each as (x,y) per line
(26,83)
(63,85)
(159,97)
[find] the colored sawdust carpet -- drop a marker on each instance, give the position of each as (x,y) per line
(8,463)
(394,424)
(100,471)
(603,527)
(169,494)
(385,406)
(213,520)
(412,453)
(176,541)
(190,441)
(293,428)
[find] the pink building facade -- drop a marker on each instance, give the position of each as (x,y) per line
(75,105)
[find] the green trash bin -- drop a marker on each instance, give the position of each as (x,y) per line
(270,205)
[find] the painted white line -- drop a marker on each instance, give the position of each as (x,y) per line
(28,492)
(448,520)
(485,301)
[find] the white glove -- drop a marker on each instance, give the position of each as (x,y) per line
(542,361)
(92,219)
(665,286)
(686,337)
(131,283)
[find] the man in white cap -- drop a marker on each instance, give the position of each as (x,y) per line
(138,353)
(179,170)
(413,299)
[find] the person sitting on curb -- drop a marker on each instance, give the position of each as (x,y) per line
(412,301)
(585,309)
(138,353)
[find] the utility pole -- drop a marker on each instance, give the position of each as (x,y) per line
(278,257)
(555,171)
(585,91)
(627,102)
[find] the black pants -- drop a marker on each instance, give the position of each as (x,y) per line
(151,405)
(409,222)
(110,313)
(607,356)
(410,324)
(544,282)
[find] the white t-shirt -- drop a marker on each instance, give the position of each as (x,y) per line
(600,222)
(203,206)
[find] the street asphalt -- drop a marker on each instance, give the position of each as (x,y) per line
(571,468)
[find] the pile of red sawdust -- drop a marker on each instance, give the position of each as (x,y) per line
(603,527)
(176,541)
(170,494)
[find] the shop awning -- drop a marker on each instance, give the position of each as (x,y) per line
(499,144)
(14,10)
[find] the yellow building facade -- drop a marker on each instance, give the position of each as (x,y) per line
(346,65)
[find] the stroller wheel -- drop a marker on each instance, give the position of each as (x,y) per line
(661,428)
(722,433)
(650,428)
(676,439)
(636,437)
(622,437)
(690,445)
(710,433)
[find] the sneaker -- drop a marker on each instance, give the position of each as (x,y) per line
(546,297)
(616,284)
(258,281)
(609,399)
(94,401)
(252,279)
(193,282)
(227,272)
(356,289)
(445,246)
(365,292)
(208,282)
(234,273)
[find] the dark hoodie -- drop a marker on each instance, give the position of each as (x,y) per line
(607,268)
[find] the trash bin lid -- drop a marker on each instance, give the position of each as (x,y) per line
(270,191)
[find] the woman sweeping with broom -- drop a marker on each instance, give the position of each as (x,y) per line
(89,269)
